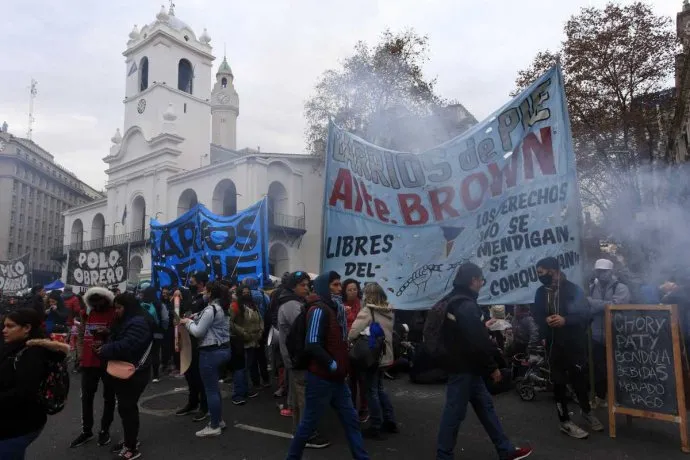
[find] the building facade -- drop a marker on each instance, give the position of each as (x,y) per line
(678,142)
(34,192)
(178,148)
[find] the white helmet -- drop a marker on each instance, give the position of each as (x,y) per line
(603,264)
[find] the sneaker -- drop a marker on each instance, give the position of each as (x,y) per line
(388,375)
(238,401)
(363,416)
(200,416)
(252,394)
(279,393)
(372,433)
(390,427)
(82,439)
(128,454)
(573,430)
(120,446)
(186,410)
(103,438)
(222,425)
(208,432)
(593,422)
(317,442)
(520,453)
(155,380)
(287,412)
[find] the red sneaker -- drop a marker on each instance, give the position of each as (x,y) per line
(520,453)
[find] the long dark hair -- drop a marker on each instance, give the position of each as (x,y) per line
(131,305)
(244,302)
(27,317)
(348,282)
(218,291)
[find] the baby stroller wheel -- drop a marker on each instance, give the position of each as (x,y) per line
(525,390)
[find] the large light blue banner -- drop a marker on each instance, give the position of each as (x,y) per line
(198,240)
(502,195)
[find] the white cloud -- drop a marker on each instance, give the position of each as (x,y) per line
(277,50)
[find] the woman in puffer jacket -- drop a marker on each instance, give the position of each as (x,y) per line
(130,340)
(377,314)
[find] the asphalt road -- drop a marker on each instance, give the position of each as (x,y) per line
(257,432)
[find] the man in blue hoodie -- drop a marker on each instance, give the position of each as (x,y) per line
(327,351)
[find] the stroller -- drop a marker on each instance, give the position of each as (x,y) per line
(532,375)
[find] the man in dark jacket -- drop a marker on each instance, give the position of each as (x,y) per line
(327,350)
(471,359)
(562,314)
(197,396)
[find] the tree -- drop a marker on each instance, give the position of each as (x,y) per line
(378,93)
(616,62)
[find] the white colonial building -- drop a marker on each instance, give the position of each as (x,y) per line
(178,147)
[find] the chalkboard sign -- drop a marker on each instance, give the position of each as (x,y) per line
(643,360)
(645,376)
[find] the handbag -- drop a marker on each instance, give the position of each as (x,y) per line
(124,370)
(362,356)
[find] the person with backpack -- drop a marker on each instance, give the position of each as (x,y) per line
(99,317)
(457,338)
(259,368)
(327,360)
(377,313)
(247,328)
(159,314)
(23,371)
(604,290)
(562,314)
(212,328)
(129,343)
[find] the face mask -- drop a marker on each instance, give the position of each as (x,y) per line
(605,276)
(546,280)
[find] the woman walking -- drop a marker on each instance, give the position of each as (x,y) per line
(22,369)
(377,313)
(352,299)
(212,328)
(130,341)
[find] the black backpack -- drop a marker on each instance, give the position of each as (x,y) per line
(54,388)
(434,342)
(296,340)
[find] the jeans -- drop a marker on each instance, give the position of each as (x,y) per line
(252,366)
(210,362)
(90,376)
(239,376)
(358,385)
(318,395)
(463,389)
(380,407)
(296,396)
(128,393)
(15,448)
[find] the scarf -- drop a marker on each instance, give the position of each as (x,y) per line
(341,317)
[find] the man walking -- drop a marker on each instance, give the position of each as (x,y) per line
(470,359)
(562,314)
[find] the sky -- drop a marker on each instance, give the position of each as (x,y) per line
(277,49)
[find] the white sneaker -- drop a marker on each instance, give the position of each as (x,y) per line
(222,425)
(208,432)
(155,380)
(593,421)
(573,430)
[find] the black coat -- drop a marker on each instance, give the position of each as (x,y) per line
(573,306)
(466,338)
(20,378)
(129,341)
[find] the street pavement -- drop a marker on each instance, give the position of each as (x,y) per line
(257,431)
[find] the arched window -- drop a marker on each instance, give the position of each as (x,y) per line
(143,73)
(224,82)
(185,76)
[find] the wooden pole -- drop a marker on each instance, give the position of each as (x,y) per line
(680,388)
(611,376)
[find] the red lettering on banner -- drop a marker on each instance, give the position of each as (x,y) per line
(439,205)
(342,189)
(411,203)
(473,203)
(509,172)
(542,150)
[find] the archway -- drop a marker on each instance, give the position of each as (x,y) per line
(135,267)
(185,76)
(98,227)
(277,202)
(278,261)
(77,236)
(138,221)
(225,198)
(186,201)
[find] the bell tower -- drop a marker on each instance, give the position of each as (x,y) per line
(225,108)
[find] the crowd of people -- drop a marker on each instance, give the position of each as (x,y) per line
(328,342)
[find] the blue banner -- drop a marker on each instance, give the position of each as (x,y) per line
(199,240)
(503,195)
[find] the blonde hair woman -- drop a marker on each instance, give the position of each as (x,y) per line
(375,314)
